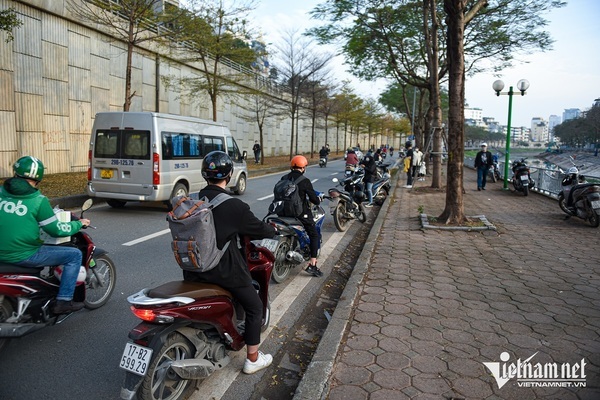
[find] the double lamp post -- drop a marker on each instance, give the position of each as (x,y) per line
(498,85)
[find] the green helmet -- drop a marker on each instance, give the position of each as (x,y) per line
(29,167)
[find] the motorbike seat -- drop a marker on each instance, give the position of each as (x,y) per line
(194,290)
(285,220)
(12,268)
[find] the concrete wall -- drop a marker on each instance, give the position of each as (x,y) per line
(58,73)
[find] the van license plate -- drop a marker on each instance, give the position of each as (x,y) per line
(136,358)
(106,173)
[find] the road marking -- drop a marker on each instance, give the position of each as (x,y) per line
(147,237)
(215,386)
(266,197)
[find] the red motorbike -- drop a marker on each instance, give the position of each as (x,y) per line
(28,294)
(188,329)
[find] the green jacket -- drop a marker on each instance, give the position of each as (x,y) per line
(23,211)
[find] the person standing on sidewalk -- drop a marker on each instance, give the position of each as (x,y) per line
(483,162)
(408,165)
(368,164)
(416,161)
(256,149)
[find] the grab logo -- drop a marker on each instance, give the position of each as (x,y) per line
(11,208)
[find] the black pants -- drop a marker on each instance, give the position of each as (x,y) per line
(311,230)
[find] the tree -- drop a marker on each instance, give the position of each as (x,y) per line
(214,35)
(8,22)
(130,21)
(297,63)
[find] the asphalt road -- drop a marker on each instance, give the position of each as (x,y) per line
(79,358)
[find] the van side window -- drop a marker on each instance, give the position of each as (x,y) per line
(232,149)
(212,143)
(137,145)
(106,144)
(180,145)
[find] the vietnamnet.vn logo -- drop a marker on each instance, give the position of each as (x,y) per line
(529,374)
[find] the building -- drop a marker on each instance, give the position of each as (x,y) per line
(474,117)
(571,113)
(553,120)
(539,130)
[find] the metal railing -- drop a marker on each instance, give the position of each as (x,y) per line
(547,181)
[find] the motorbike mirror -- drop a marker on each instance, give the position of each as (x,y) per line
(86,206)
(335,180)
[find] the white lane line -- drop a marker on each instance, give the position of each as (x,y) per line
(264,198)
(147,237)
(215,386)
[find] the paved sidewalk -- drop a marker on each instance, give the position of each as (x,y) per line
(427,308)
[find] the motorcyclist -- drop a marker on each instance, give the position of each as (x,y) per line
(351,158)
(23,211)
(232,220)
(368,164)
(307,193)
(324,153)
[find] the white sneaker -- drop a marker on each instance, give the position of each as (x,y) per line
(408,186)
(262,362)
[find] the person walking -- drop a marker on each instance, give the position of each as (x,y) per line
(25,210)
(483,162)
(408,157)
(416,162)
(256,149)
(232,221)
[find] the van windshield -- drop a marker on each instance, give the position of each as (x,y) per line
(130,144)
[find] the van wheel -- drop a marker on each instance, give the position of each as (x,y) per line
(116,203)
(179,190)
(240,188)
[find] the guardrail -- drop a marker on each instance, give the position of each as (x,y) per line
(547,181)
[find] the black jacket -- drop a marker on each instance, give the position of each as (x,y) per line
(232,218)
(306,190)
(370,168)
(481,161)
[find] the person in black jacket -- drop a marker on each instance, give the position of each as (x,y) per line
(233,219)
(256,149)
(483,162)
(307,193)
(368,164)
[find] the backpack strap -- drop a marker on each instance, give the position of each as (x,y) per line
(218,199)
(299,179)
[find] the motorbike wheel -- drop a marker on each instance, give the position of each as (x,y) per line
(162,383)
(381,196)
(6,311)
(362,216)
(525,190)
(281,267)
(594,218)
(494,177)
(562,203)
(339,217)
(100,282)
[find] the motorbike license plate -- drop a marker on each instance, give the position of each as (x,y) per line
(524,178)
(136,358)
(106,173)
(595,204)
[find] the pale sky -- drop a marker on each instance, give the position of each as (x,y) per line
(566,77)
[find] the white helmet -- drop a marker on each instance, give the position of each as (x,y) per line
(573,170)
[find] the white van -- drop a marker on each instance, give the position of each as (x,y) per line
(146,156)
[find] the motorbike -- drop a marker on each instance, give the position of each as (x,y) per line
(494,172)
(351,169)
(27,295)
(585,197)
(187,331)
(293,247)
(322,162)
(521,179)
(346,205)
(381,187)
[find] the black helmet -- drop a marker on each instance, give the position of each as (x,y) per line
(216,165)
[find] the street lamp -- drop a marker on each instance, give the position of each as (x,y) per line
(498,85)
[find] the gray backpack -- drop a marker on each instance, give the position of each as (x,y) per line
(192,227)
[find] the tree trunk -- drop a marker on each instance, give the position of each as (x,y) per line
(454,211)
(127,104)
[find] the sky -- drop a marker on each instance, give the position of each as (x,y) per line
(566,77)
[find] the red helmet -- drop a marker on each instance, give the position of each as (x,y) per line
(299,162)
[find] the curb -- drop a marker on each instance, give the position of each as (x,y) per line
(315,382)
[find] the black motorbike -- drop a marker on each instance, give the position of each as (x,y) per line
(346,205)
(580,198)
(521,179)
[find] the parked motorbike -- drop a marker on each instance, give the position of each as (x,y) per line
(351,169)
(346,205)
(381,187)
(322,162)
(494,172)
(580,198)
(293,247)
(521,179)
(187,330)
(27,295)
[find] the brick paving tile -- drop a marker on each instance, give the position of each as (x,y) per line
(434,305)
